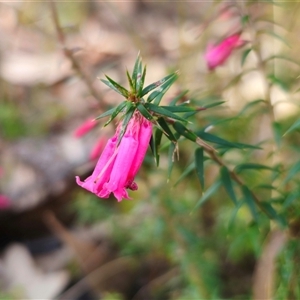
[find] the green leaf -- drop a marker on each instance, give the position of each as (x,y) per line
(199,163)
(204,107)
(250,202)
(141,83)
(139,77)
(144,111)
(279,82)
(293,171)
(178,109)
(294,127)
(135,71)
(252,166)
(107,113)
(162,111)
(226,180)
(277,133)
(158,94)
(127,117)
(245,19)
(244,55)
(283,57)
(171,153)
(182,130)
(291,197)
(217,103)
(275,35)
(249,105)
(154,85)
(157,139)
(178,97)
(111,86)
(185,173)
(217,140)
(208,193)
(266,187)
(130,81)
(115,86)
(116,111)
(271,212)
(165,127)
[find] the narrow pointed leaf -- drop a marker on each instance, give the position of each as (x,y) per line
(117,86)
(117,110)
(182,130)
(135,71)
(185,173)
(250,105)
(294,127)
(245,55)
(154,85)
(157,140)
(141,85)
(215,139)
(289,59)
(169,134)
(227,183)
(162,111)
(129,112)
(178,97)
(271,212)
(275,35)
(130,81)
(159,93)
(277,130)
(139,77)
(252,166)
(250,202)
(208,193)
(144,111)
(164,89)
(290,199)
(179,108)
(217,103)
(105,114)
(171,154)
(111,86)
(292,172)
(199,163)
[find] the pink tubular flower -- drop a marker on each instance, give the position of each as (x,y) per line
(85,127)
(4,202)
(118,164)
(216,55)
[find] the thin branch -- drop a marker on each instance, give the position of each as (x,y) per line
(212,153)
(70,55)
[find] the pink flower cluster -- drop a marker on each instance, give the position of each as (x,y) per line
(119,163)
(216,55)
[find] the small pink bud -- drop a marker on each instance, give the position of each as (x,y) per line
(216,55)
(85,127)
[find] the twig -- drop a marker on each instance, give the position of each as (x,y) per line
(212,153)
(69,54)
